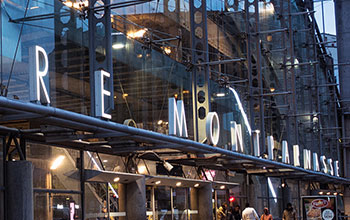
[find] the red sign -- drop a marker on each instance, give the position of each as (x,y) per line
(319,203)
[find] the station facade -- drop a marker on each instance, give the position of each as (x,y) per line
(166,109)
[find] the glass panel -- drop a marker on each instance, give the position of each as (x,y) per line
(54,168)
(96,201)
(163,202)
(181,203)
(53,206)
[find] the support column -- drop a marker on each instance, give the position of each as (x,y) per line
(194,202)
(122,199)
(347,201)
(136,200)
(20,190)
(205,205)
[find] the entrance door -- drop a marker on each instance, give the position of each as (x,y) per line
(168,203)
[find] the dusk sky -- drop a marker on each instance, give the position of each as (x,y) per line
(329,18)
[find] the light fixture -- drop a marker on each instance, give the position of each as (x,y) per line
(125,95)
(57,162)
(59,206)
(222,187)
(137,34)
(328,193)
(158,182)
(335,193)
(105,161)
(196,185)
(34,7)
(220,94)
(168,166)
(142,169)
(341,194)
(178,184)
(272,89)
(283,184)
(116,179)
(186,92)
(321,193)
(160,122)
(139,56)
(76,206)
(118,46)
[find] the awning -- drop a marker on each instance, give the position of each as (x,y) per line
(68,129)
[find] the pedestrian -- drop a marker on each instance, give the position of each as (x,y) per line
(222,212)
(289,213)
(249,213)
(236,213)
(266,215)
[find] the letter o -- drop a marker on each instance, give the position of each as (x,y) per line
(212,127)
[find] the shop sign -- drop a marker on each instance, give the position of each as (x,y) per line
(39,92)
(311,161)
(319,207)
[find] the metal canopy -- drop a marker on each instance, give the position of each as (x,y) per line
(72,130)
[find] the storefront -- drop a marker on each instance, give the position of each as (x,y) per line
(142,110)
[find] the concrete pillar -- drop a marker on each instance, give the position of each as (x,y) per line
(194,202)
(347,201)
(205,204)
(342,17)
(20,190)
(136,200)
(122,199)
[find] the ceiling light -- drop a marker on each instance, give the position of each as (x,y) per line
(137,34)
(222,187)
(321,193)
(158,182)
(160,122)
(142,169)
(220,94)
(57,162)
(116,179)
(196,185)
(178,184)
(118,46)
(328,193)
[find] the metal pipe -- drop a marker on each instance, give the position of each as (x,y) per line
(88,120)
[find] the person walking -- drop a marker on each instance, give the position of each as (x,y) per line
(222,212)
(266,215)
(236,213)
(289,213)
(249,213)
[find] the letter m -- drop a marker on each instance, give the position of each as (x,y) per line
(177,119)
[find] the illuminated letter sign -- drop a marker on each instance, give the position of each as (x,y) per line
(336,168)
(285,152)
(315,165)
(256,143)
(307,159)
(296,157)
(177,126)
(38,65)
(323,164)
(270,147)
(212,128)
(330,166)
(100,94)
(236,137)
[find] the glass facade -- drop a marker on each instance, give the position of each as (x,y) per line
(266,70)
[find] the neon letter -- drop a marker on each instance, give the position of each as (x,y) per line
(177,126)
(212,128)
(236,137)
(285,152)
(307,159)
(36,75)
(315,164)
(100,92)
(296,157)
(270,147)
